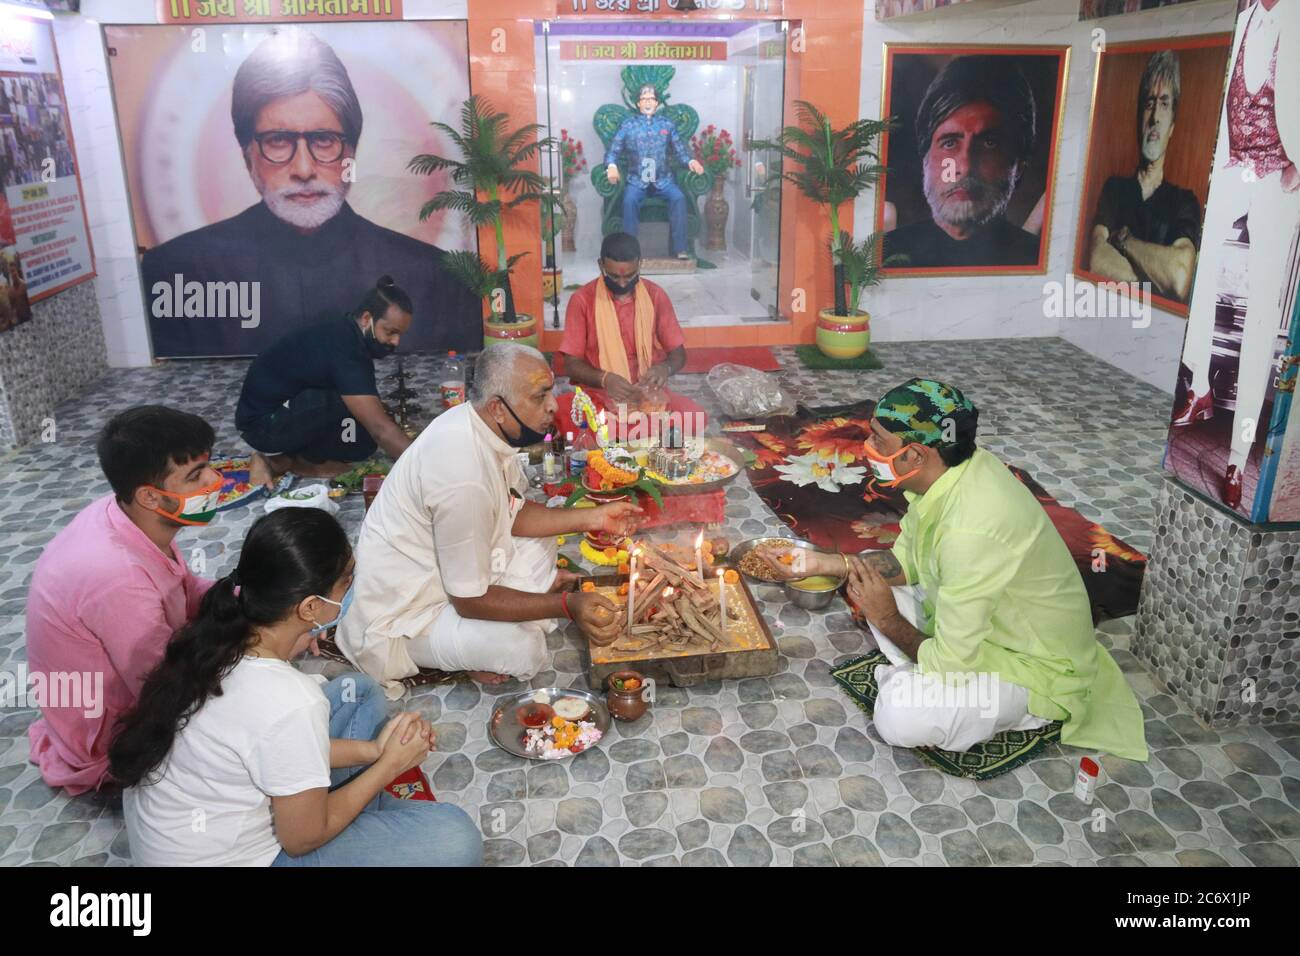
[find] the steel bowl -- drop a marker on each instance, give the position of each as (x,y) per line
(811,600)
(735,555)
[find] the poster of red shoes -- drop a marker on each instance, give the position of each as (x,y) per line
(1234,433)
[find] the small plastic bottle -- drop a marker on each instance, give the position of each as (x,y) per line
(452,385)
(1085,782)
(564,444)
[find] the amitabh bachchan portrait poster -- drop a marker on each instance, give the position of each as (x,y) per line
(275,158)
(971,163)
(1155,115)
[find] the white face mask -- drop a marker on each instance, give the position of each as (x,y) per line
(343,609)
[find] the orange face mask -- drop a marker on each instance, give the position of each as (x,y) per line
(882,466)
(196,508)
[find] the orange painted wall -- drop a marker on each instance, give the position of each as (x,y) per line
(827,72)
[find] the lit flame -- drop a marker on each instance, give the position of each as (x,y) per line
(667,592)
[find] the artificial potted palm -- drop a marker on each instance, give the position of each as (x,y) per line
(488,180)
(831,167)
(860,263)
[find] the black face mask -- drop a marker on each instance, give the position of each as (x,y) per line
(617,289)
(527,436)
(376,348)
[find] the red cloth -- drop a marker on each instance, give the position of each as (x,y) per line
(701,360)
(580,326)
(682,408)
(760,357)
(707,508)
(412,785)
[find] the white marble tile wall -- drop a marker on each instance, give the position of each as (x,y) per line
(909,309)
(103,179)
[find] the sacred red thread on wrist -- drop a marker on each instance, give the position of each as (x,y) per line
(564,604)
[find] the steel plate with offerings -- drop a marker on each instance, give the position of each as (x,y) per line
(697,466)
(548,724)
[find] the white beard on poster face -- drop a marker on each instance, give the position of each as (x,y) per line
(312,215)
(990,202)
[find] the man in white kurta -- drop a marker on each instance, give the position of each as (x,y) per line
(455,570)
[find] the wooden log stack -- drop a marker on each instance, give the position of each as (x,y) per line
(675,607)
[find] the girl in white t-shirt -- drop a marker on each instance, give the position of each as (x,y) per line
(233,757)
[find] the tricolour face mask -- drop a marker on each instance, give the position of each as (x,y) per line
(198,507)
(882,466)
(343,609)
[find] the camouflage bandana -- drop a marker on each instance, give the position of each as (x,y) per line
(916,410)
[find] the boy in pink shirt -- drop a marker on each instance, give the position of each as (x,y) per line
(112,587)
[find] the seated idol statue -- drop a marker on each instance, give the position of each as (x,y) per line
(645,139)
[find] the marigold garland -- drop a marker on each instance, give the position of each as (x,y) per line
(598,556)
(611,473)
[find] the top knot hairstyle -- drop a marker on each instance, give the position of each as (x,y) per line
(992,79)
(386,293)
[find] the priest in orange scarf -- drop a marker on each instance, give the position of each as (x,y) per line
(622,343)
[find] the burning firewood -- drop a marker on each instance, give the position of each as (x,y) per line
(647,598)
(679,576)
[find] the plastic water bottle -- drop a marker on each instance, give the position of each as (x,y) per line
(452,384)
(578,449)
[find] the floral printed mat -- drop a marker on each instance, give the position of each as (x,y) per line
(809,469)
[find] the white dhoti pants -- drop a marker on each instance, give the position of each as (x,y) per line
(516,648)
(928,710)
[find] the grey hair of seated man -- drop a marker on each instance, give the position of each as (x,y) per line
(496,372)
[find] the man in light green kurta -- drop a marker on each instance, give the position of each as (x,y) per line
(1005,613)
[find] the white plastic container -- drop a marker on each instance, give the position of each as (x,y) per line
(1085,781)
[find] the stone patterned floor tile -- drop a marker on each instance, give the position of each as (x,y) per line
(780,770)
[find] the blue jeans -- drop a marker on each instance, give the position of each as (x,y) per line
(389,831)
(634,194)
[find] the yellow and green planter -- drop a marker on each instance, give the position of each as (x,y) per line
(523,332)
(843,336)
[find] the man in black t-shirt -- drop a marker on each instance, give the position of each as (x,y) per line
(310,404)
(1147,229)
